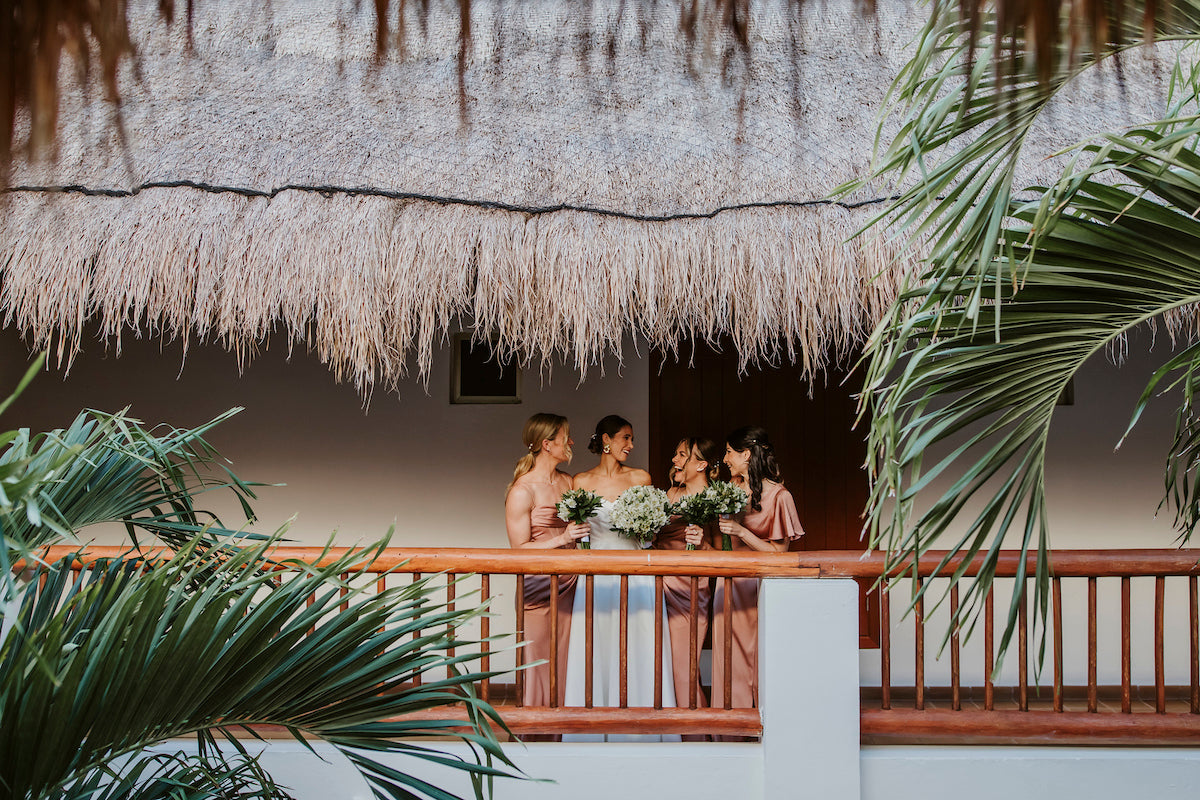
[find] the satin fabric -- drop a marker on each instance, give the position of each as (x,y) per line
(538,606)
(677,596)
(776,521)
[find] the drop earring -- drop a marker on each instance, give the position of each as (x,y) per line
(607,449)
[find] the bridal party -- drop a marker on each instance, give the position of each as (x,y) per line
(613,506)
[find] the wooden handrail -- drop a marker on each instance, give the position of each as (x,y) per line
(713,563)
(883,723)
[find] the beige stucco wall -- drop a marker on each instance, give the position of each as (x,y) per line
(437,470)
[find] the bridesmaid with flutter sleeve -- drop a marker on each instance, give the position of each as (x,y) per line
(532,522)
(694,465)
(768,524)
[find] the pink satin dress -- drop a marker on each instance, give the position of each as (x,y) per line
(777,521)
(677,595)
(538,606)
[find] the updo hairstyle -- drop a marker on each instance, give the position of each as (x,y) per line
(609,426)
(762,464)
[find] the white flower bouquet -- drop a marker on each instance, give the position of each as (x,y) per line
(729,500)
(700,508)
(578,506)
(640,512)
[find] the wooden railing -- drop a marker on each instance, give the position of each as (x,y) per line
(1094,713)
(951,710)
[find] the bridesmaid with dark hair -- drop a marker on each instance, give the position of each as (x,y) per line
(768,524)
(532,522)
(694,465)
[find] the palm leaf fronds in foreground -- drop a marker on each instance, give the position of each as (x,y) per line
(962,391)
(124,655)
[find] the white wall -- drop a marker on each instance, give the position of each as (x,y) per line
(437,470)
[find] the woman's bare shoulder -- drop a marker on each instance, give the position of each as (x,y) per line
(585,479)
(639,477)
(521,492)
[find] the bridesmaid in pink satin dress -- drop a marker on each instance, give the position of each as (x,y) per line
(532,523)
(768,524)
(694,464)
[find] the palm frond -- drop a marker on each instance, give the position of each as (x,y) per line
(210,643)
(175,776)
(967,102)
(110,468)
(1113,245)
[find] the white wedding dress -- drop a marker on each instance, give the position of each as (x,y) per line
(606,637)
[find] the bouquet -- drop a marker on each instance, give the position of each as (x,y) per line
(700,508)
(578,506)
(730,500)
(640,512)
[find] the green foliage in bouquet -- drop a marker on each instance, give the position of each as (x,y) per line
(730,500)
(578,506)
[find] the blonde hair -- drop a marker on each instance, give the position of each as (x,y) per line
(538,429)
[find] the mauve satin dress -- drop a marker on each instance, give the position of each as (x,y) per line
(544,524)
(776,521)
(677,596)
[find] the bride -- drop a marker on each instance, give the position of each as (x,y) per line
(613,441)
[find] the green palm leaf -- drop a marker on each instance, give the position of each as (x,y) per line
(966,103)
(1114,244)
(211,642)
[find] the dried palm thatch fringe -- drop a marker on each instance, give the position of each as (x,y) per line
(372,285)
(653,132)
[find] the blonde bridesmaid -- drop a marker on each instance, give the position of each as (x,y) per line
(768,524)
(694,465)
(533,524)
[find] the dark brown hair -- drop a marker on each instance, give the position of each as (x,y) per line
(609,426)
(762,459)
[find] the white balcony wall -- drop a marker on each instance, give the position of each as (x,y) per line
(809,748)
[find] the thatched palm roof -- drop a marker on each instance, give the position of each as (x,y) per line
(601,177)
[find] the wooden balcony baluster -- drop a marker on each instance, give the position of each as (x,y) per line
(658,636)
(416,578)
(1126,662)
(589,621)
(885,643)
(919,621)
(623,667)
(520,637)
(989,652)
(450,596)
(1093,699)
(1194,626)
(693,648)
(1160,677)
(727,656)
(955,689)
(1022,647)
(485,632)
(554,641)
(1056,621)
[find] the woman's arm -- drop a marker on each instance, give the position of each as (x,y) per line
(733,528)
(517,510)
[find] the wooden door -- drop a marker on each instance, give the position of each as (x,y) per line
(812,430)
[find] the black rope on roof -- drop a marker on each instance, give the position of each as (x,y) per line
(328,191)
